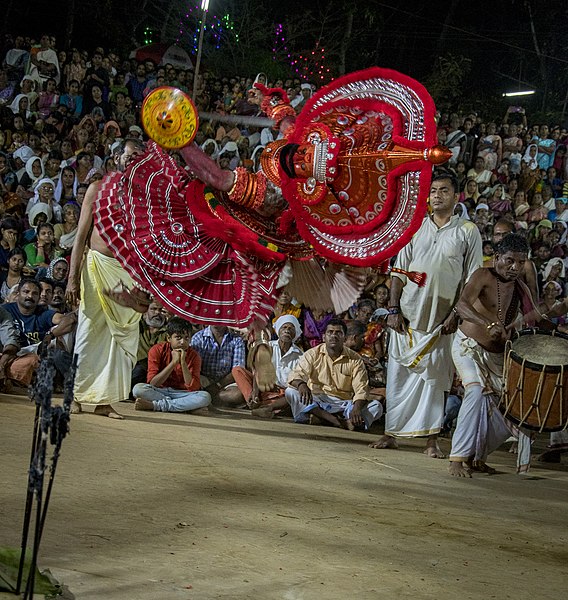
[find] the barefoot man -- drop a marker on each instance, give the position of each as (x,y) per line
(489,306)
(420,370)
(330,382)
(107,333)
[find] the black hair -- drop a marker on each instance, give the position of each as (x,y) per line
(46,225)
(11,223)
(337,322)
(59,284)
(30,281)
(506,222)
(366,302)
(179,326)
(356,328)
(47,280)
(441,175)
(54,154)
(17,251)
(138,144)
(513,242)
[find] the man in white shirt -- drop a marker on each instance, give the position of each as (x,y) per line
(420,369)
(271,365)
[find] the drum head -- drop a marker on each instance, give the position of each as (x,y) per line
(542,349)
(169,117)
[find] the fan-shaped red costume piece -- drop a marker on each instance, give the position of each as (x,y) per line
(354,168)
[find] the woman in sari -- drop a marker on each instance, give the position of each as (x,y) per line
(491,148)
(65,232)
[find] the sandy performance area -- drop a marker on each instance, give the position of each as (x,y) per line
(162,506)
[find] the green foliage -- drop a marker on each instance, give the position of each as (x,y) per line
(445,83)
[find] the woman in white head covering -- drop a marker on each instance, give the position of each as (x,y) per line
(232,150)
(211,148)
(21,108)
(44,191)
(530,156)
(34,169)
(461,210)
(553,270)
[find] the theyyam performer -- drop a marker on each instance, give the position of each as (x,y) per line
(347,183)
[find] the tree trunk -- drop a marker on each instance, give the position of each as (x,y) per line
(345,41)
(70,25)
(541,58)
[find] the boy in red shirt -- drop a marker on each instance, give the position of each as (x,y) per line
(173,374)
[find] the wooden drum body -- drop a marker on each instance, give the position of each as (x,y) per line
(535,380)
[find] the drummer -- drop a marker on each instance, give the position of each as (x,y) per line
(489,306)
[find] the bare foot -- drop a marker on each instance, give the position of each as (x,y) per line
(75,408)
(433,450)
(480,467)
(384,443)
(459,469)
(140,404)
(264,370)
(106,410)
(514,449)
(264,412)
(326,417)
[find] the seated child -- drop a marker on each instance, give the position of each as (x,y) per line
(173,374)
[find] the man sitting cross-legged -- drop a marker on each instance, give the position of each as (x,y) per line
(330,382)
(271,364)
(173,374)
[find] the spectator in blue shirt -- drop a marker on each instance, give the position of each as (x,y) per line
(220,351)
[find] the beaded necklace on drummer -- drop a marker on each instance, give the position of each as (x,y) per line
(512,306)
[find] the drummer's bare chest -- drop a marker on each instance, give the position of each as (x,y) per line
(497,296)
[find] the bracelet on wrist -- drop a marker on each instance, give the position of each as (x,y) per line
(491,325)
(394,310)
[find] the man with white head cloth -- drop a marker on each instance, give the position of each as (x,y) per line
(270,366)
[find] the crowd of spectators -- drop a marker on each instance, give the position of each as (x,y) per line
(64,114)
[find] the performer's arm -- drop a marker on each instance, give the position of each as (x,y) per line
(206,169)
(72,294)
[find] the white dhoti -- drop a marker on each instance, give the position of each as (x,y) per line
(419,374)
(480,427)
(107,334)
(372,411)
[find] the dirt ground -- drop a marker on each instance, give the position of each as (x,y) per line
(162,506)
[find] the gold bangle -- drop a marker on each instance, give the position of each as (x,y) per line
(491,325)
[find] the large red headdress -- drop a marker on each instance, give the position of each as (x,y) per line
(374,142)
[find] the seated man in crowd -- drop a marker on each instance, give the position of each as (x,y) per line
(152,331)
(221,351)
(34,325)
(355,340)
(277,358)
(10,344)
(173,374)
(330,382)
